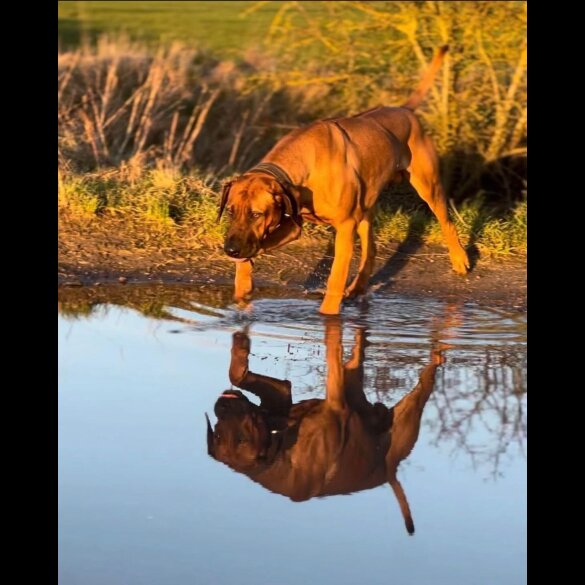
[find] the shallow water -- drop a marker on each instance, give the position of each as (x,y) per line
(142,502)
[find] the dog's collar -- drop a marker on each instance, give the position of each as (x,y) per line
(285,182)
(274,445)
(280,440)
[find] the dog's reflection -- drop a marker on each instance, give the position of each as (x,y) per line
(317,447)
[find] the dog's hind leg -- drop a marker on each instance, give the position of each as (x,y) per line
(424,177)
(368,257)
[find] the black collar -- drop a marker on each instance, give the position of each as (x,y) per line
(281,440)
(277,172)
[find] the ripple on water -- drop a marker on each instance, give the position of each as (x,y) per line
(389,320)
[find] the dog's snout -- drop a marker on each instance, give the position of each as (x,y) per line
(231,403)
(232,249)
(225,407)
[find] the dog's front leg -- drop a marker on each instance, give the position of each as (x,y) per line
(344,237)
(243,283)
(275,394)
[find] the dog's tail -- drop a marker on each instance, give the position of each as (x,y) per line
(416,97)
(402,502)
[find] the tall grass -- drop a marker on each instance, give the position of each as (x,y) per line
(120,104)
(177,106)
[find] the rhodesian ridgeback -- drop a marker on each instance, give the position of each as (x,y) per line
(333,172)
(317,447)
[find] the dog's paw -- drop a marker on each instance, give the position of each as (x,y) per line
(353,292)
(460,261)
(243,304)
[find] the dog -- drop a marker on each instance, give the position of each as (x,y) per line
(317,447)
(332,172)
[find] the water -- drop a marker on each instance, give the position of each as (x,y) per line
(142,502)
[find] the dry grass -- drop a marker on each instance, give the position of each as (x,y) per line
(121,104)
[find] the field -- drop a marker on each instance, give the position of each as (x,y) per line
(222,27)
(159,102)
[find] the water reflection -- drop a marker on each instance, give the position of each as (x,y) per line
(478,408)
(141,501)
(339,444)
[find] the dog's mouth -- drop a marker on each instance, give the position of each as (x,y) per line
(232,394)
(244,253)
(233,403)
(239,260)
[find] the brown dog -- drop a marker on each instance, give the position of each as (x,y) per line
(332,172)
(316,448)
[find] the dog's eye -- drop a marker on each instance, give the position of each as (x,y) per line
(230,211)
(256,214)
(240,439)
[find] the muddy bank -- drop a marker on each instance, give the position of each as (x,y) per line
(299,269)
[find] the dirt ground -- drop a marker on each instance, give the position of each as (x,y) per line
(90,258)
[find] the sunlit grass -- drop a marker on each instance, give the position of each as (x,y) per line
(167,201)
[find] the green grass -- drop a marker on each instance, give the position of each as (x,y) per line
(171,202)
(224,27)
(161,199)
(493,231)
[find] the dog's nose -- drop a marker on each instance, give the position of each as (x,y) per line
(231,250)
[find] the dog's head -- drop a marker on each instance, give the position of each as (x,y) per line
(256,205)
(241,437)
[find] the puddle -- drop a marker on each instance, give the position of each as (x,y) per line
(142,502)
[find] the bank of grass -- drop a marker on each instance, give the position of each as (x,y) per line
(165,205)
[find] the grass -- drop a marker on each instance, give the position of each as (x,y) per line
(152,119)
(160,199)
(172,204)
(123,101)
(224,27)
(494,232)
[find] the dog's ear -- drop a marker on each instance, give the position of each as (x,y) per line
(210,445)
(224,197)
(289,230)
